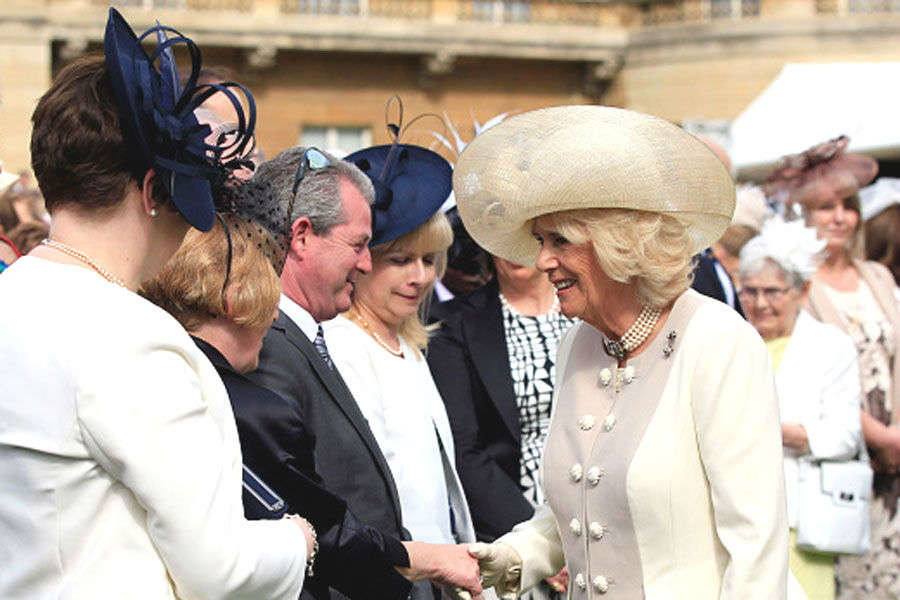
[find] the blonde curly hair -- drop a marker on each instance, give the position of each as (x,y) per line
(649,250)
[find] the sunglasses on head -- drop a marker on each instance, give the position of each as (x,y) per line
(312,160)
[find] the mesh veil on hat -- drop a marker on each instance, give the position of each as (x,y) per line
(255,213)
(582,157)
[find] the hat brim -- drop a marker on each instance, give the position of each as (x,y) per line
(584,157)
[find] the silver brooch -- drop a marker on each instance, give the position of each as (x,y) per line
(670,342)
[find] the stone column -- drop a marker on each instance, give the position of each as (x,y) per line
(25,57)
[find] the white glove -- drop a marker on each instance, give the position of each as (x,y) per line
(500,566)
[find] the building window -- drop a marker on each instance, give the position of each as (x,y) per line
(864,7)
(732,9)
(857,7)
(339,141)
(328,7)
(501,11)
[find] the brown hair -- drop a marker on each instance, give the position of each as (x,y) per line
(883,239)
(190,285)
(79,153)
(28,234)
(736,237)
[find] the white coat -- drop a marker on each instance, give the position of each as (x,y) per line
(818,387)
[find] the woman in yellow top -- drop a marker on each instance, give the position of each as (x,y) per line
(816,373)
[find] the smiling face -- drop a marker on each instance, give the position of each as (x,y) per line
(321,270)
(770,301)
(397,284)
(835,222)
(573,270)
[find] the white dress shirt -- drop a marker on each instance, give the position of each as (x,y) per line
(300,316)
(120,467)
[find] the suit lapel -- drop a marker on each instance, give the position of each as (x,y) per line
(332,381)
(485,331)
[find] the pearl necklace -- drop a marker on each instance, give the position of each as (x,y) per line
(374,334)
(635,336)
(85,259)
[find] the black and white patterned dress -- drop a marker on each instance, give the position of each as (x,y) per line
(531,344)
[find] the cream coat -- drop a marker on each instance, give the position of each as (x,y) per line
(687,502)
(818,387)
(120,468)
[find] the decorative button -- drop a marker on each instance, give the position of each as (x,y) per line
(596,530)
(605,377)
(601,584)
(628,374)
(575,526)
(593,475)
(609,422)
(575,472)
(580,582)
(586,422)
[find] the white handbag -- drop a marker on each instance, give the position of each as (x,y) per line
(834,498)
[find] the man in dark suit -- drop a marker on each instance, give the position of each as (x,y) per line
(711,279)
(330,226)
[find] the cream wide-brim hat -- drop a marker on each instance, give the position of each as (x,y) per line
(581,157)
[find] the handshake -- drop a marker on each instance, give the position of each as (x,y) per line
(466,570)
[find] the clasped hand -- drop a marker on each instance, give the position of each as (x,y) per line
(500,567)
(444,564)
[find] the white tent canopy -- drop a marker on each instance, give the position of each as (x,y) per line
(811,103)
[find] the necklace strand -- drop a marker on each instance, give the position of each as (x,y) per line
(636,335)
(374,334)
(85,259)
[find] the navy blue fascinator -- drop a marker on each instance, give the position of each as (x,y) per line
(158,116)
(411,183)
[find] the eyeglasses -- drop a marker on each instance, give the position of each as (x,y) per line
(771,294)
(312,160)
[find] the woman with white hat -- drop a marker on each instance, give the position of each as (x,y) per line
(817,379)
(663,465)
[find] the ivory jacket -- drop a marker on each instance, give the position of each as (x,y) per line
(672,488)
(120,468)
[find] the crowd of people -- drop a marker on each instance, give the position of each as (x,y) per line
(228,377)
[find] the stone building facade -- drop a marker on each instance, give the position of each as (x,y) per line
(322,70)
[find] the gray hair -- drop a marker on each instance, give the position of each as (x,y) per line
(318,196)
(751,266)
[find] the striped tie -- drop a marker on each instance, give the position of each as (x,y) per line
(322,349)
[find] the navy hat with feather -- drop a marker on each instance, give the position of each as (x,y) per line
(411,183)
(158,116)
